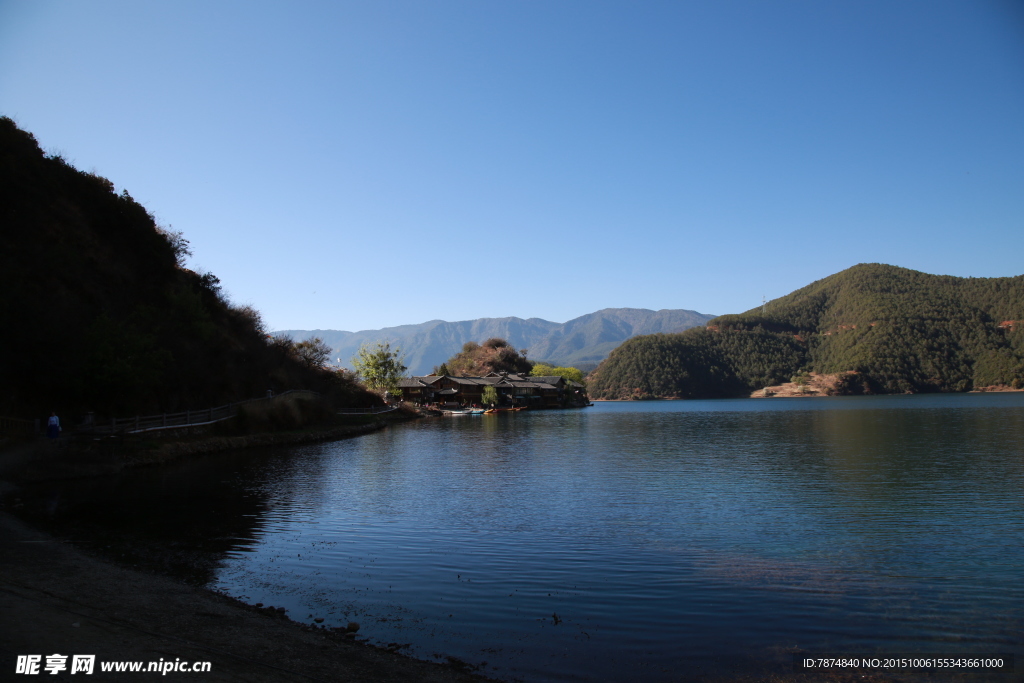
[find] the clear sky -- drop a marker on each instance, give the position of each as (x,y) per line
(355,165)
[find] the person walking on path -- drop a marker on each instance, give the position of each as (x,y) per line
(53,426)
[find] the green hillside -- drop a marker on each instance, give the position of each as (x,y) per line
(98,313)
(901,330)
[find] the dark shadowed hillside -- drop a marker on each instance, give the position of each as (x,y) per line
(900,330)
(97,312)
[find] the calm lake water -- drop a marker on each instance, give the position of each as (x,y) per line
(681,540)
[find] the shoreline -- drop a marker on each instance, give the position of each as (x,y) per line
(60,598)
(42,460)
(983,390)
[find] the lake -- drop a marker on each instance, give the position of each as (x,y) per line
(676,540)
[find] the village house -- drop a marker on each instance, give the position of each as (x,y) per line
(512,389)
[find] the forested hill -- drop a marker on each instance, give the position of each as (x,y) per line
(98,313)
(900,330)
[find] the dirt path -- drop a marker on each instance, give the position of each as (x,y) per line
(40,459)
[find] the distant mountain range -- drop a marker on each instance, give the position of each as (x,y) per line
(582,342)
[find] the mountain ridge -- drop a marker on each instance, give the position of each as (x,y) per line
(896,330)
(586,339)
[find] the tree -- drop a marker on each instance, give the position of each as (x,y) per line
(380,366)
(494,355)
(314,352)
(489,396)
(441,369)
(175,238)
(545,370)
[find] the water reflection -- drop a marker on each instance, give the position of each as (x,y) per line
(181,520)
(701,537)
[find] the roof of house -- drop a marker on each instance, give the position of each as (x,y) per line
(512,380)
(549,379)
(473,381)
(531,385)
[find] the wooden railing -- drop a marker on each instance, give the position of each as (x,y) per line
(368,411)
(13,426)
(188,418)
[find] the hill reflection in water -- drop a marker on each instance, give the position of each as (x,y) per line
(662,541)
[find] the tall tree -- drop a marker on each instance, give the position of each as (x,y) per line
(545,370)
(380,366)
(314,352)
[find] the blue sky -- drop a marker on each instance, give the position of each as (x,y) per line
(355,165)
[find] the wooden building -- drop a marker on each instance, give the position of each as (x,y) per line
(512,389)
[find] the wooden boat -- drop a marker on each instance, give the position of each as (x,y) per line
(492,411)
(477,411)
(453,413)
